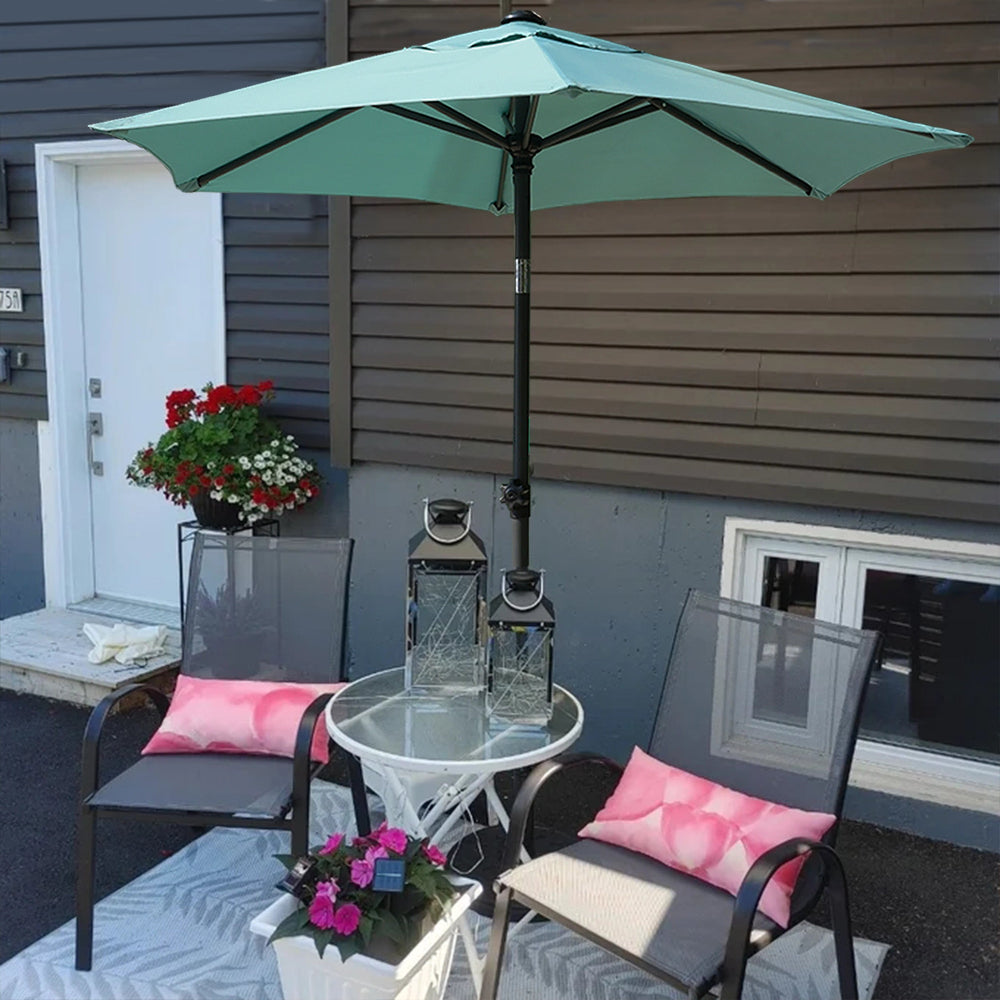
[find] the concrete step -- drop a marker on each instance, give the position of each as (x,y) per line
(45,653)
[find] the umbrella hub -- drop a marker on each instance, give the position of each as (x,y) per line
(523,15)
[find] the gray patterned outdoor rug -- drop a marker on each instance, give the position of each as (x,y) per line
(180,933)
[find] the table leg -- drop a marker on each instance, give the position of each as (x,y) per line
(399,808)
(451,806)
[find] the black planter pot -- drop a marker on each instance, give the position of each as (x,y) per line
(218,514)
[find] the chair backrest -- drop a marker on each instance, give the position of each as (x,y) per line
(263,608)
(763,701)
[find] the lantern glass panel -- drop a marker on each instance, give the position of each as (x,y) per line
(444,627)
(520,675)
(446,600)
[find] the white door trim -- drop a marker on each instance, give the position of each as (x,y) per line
(67,543)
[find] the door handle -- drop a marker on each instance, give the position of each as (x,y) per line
(95,428)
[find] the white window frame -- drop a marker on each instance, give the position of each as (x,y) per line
(845,555)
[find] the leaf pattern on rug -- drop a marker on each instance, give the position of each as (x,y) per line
(180,932)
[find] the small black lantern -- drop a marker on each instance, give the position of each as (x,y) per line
(446,600)
(519,671)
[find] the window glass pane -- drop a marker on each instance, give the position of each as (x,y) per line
(938,686)
(781,681)
(790,585)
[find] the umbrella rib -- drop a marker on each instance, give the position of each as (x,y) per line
(480,134)
(762,161)
(499,204)
(494,138)
(529,122)
(634,107)
(270,147)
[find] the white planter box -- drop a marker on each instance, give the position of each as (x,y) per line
(422,975)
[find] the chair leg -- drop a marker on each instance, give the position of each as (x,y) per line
(85,839)
(843,936)
(300,829)
(362,818)
(498,942)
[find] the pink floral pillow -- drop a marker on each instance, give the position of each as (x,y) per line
(704,829)
(258,717)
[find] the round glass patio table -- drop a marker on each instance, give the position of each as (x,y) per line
(442,732)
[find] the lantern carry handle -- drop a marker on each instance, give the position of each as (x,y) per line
(465,515)
(517,607)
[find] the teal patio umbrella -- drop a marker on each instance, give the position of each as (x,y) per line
(519,117)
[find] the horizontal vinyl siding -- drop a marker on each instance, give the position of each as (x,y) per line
(843,353)
(73,64)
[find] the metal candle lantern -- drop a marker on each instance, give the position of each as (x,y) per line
(446,599)
(519,677)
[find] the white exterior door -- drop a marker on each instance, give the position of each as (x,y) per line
(150,319)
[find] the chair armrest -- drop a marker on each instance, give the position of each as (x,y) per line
(524,803)
(95,726)
(301,763)
(752,888)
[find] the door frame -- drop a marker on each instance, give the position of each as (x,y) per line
(67,536)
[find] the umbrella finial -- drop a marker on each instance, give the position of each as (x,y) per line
(523,15)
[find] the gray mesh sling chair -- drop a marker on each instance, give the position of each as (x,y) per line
(270,609)
(762,701)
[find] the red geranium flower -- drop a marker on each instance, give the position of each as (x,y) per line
(249,395)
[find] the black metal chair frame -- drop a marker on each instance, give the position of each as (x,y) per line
(303,770)
(738,947)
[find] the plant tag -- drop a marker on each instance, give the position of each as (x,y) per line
(390,875)
(296,877)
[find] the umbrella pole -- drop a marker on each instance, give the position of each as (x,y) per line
(517,494)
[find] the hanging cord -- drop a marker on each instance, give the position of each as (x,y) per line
(468,828)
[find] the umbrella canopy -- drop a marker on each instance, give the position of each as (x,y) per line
(520,117)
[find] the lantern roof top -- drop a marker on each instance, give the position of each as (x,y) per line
(468,549)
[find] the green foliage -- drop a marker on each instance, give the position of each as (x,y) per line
(339,906)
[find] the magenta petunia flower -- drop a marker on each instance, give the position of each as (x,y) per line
(362,872)
(332,843)
(434,856)
(346,919)
(321,911)
(393,839)
(374,853)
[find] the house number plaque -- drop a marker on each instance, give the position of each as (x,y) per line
(11,300)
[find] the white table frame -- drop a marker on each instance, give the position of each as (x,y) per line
(407,782)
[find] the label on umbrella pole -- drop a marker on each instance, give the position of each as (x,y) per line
(522,274)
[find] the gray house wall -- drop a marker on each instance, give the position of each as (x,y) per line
(65,65)
(22,580)
(843,353)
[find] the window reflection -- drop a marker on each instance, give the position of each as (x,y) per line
(938,685)
(782,681)
(790,585)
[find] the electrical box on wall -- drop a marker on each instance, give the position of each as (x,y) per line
(10,359)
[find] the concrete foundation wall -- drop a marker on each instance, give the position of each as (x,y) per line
(324,516)
(22,578)
(618,563)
